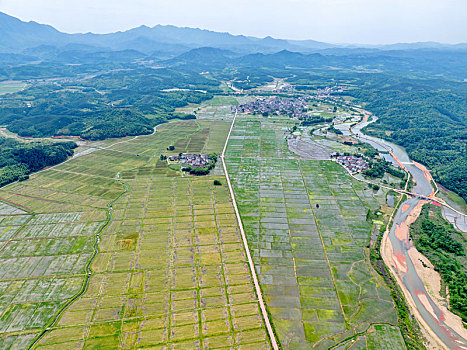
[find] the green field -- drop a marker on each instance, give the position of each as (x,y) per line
(217,108)
(170,269)
(307,230)
(166,265)
(10,87)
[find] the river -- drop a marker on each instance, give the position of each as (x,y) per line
(428,309)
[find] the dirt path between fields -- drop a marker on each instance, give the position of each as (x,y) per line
(264,312)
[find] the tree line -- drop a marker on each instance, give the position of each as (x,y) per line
(19,159)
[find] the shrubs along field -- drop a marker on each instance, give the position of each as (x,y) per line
(167,267)
(306,226)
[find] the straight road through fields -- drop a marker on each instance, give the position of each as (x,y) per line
(267,322)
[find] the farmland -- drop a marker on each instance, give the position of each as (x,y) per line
(170,187)
(9,87)
(115,249)
(166,264)
(217,108)
(307,231)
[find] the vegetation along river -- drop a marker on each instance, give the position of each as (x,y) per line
(401,244)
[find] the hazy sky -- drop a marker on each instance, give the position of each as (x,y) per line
(336,21)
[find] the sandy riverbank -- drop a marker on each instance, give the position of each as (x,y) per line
(395,265)
(430,278)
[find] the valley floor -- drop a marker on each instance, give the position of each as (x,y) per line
(307,230)
(167,268)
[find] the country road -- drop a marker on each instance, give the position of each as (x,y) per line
(267,322)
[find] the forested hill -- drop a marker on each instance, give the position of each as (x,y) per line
(445,247)
(19,159)
(116,104)
(427,117)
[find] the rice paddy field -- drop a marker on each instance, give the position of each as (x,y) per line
(306,225)
(116,250)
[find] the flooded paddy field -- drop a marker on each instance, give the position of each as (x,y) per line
(306,225)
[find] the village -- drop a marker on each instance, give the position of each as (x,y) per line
(328,91)
(293,107)
(191,159)
(354,164)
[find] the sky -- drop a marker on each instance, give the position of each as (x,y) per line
(333,21)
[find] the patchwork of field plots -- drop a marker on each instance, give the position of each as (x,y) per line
(171,271)
(48,232)
(306,226)
(170,267)
(377,337)
(254,138)
(42,265)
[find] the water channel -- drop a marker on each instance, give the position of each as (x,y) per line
(429,311)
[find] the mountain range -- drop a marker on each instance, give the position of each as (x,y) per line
(162,42)
(26,43)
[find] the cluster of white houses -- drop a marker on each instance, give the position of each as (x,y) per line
(294,107)
(354,164)
(193,159)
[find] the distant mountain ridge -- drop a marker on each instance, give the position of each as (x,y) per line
(17,36)
(163,41)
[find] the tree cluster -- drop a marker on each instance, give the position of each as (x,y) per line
(18,159)
(199,171)
(444,246)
